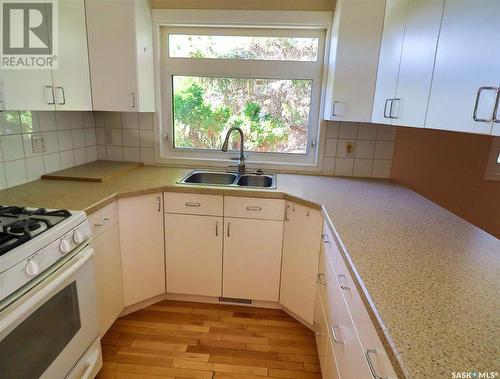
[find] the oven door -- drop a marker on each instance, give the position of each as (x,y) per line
(44,333)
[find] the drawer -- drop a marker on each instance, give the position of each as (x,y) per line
(103,219)
(370,342)
(193,204)
(250,207)
(347,349)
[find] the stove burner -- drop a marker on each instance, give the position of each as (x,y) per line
(10,241)
(24,226)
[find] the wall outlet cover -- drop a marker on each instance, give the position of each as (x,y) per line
(38,144)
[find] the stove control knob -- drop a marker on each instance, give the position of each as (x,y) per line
(65,246)
(32,268)
(78,236)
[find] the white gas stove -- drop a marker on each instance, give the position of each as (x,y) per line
(33,239)
(48,311)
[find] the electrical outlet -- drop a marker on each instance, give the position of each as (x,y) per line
(349,148)
(38,144)
(108,136)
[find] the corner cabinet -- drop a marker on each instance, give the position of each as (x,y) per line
(299,268)
(121,55)
(142,250)
(354,52)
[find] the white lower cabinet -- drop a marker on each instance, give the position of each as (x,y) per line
(142,249)
(252,258)
(108,277)
(194,254)
(301,245)
(357,350)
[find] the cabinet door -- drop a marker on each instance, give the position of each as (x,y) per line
(421,33)
(111,35)
(354,52)
(193,248)
(320,330)
(330,366)
(299,269)
(108,277)
(72,77)
(29,89)
(467,59)
(252,258)
(389,61)
(141,241)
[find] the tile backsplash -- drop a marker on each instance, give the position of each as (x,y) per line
(372,149)
(36,143)
(125,136)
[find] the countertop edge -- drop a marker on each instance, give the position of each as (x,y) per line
(380,327)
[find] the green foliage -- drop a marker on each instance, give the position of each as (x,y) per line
(198,125)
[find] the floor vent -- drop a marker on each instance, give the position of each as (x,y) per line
(234,300)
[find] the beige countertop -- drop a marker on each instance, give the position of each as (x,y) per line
(432,280)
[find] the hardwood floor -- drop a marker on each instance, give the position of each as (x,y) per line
(173,339)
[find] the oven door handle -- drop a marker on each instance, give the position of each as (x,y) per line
(90,364)
(26,307)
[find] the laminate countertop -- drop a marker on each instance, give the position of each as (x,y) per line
(430,280)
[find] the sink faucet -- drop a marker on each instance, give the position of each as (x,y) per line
(241,162)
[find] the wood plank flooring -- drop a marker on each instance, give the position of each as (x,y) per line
(173,339)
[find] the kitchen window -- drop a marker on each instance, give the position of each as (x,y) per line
(265,80)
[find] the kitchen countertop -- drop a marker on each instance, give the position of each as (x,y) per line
(430,279)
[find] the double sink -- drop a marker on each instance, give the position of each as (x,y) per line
(229,179)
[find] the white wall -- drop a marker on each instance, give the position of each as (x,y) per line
(70,140)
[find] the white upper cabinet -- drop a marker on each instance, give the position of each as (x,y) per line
(66,87)
(409,41)
(354,54)
(121,55)
(467,68)
(72,77)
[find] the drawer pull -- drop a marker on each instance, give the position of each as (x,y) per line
(325,238)
(370,364)
(334,334)
(321,279)
(105,220)
(190,204)
(343,282)
(254,208)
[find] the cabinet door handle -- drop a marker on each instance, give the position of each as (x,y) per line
(343,282)
(190,204)
(229,229)
(52,96)
(476,103)
(133,99)
(325,238)
(254,208)
(333,108)
(391,108)
(217,228)
(158,199)
(336,338)
(61,89)
(321,279)
(385,108)
(105,220)
(495,110)
(370,363)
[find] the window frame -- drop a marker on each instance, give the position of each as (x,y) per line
(293,24)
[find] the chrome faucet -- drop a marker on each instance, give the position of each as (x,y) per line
(241,162)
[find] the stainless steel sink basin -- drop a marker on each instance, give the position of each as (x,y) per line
(223,178)
(265,181)
(229,179)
